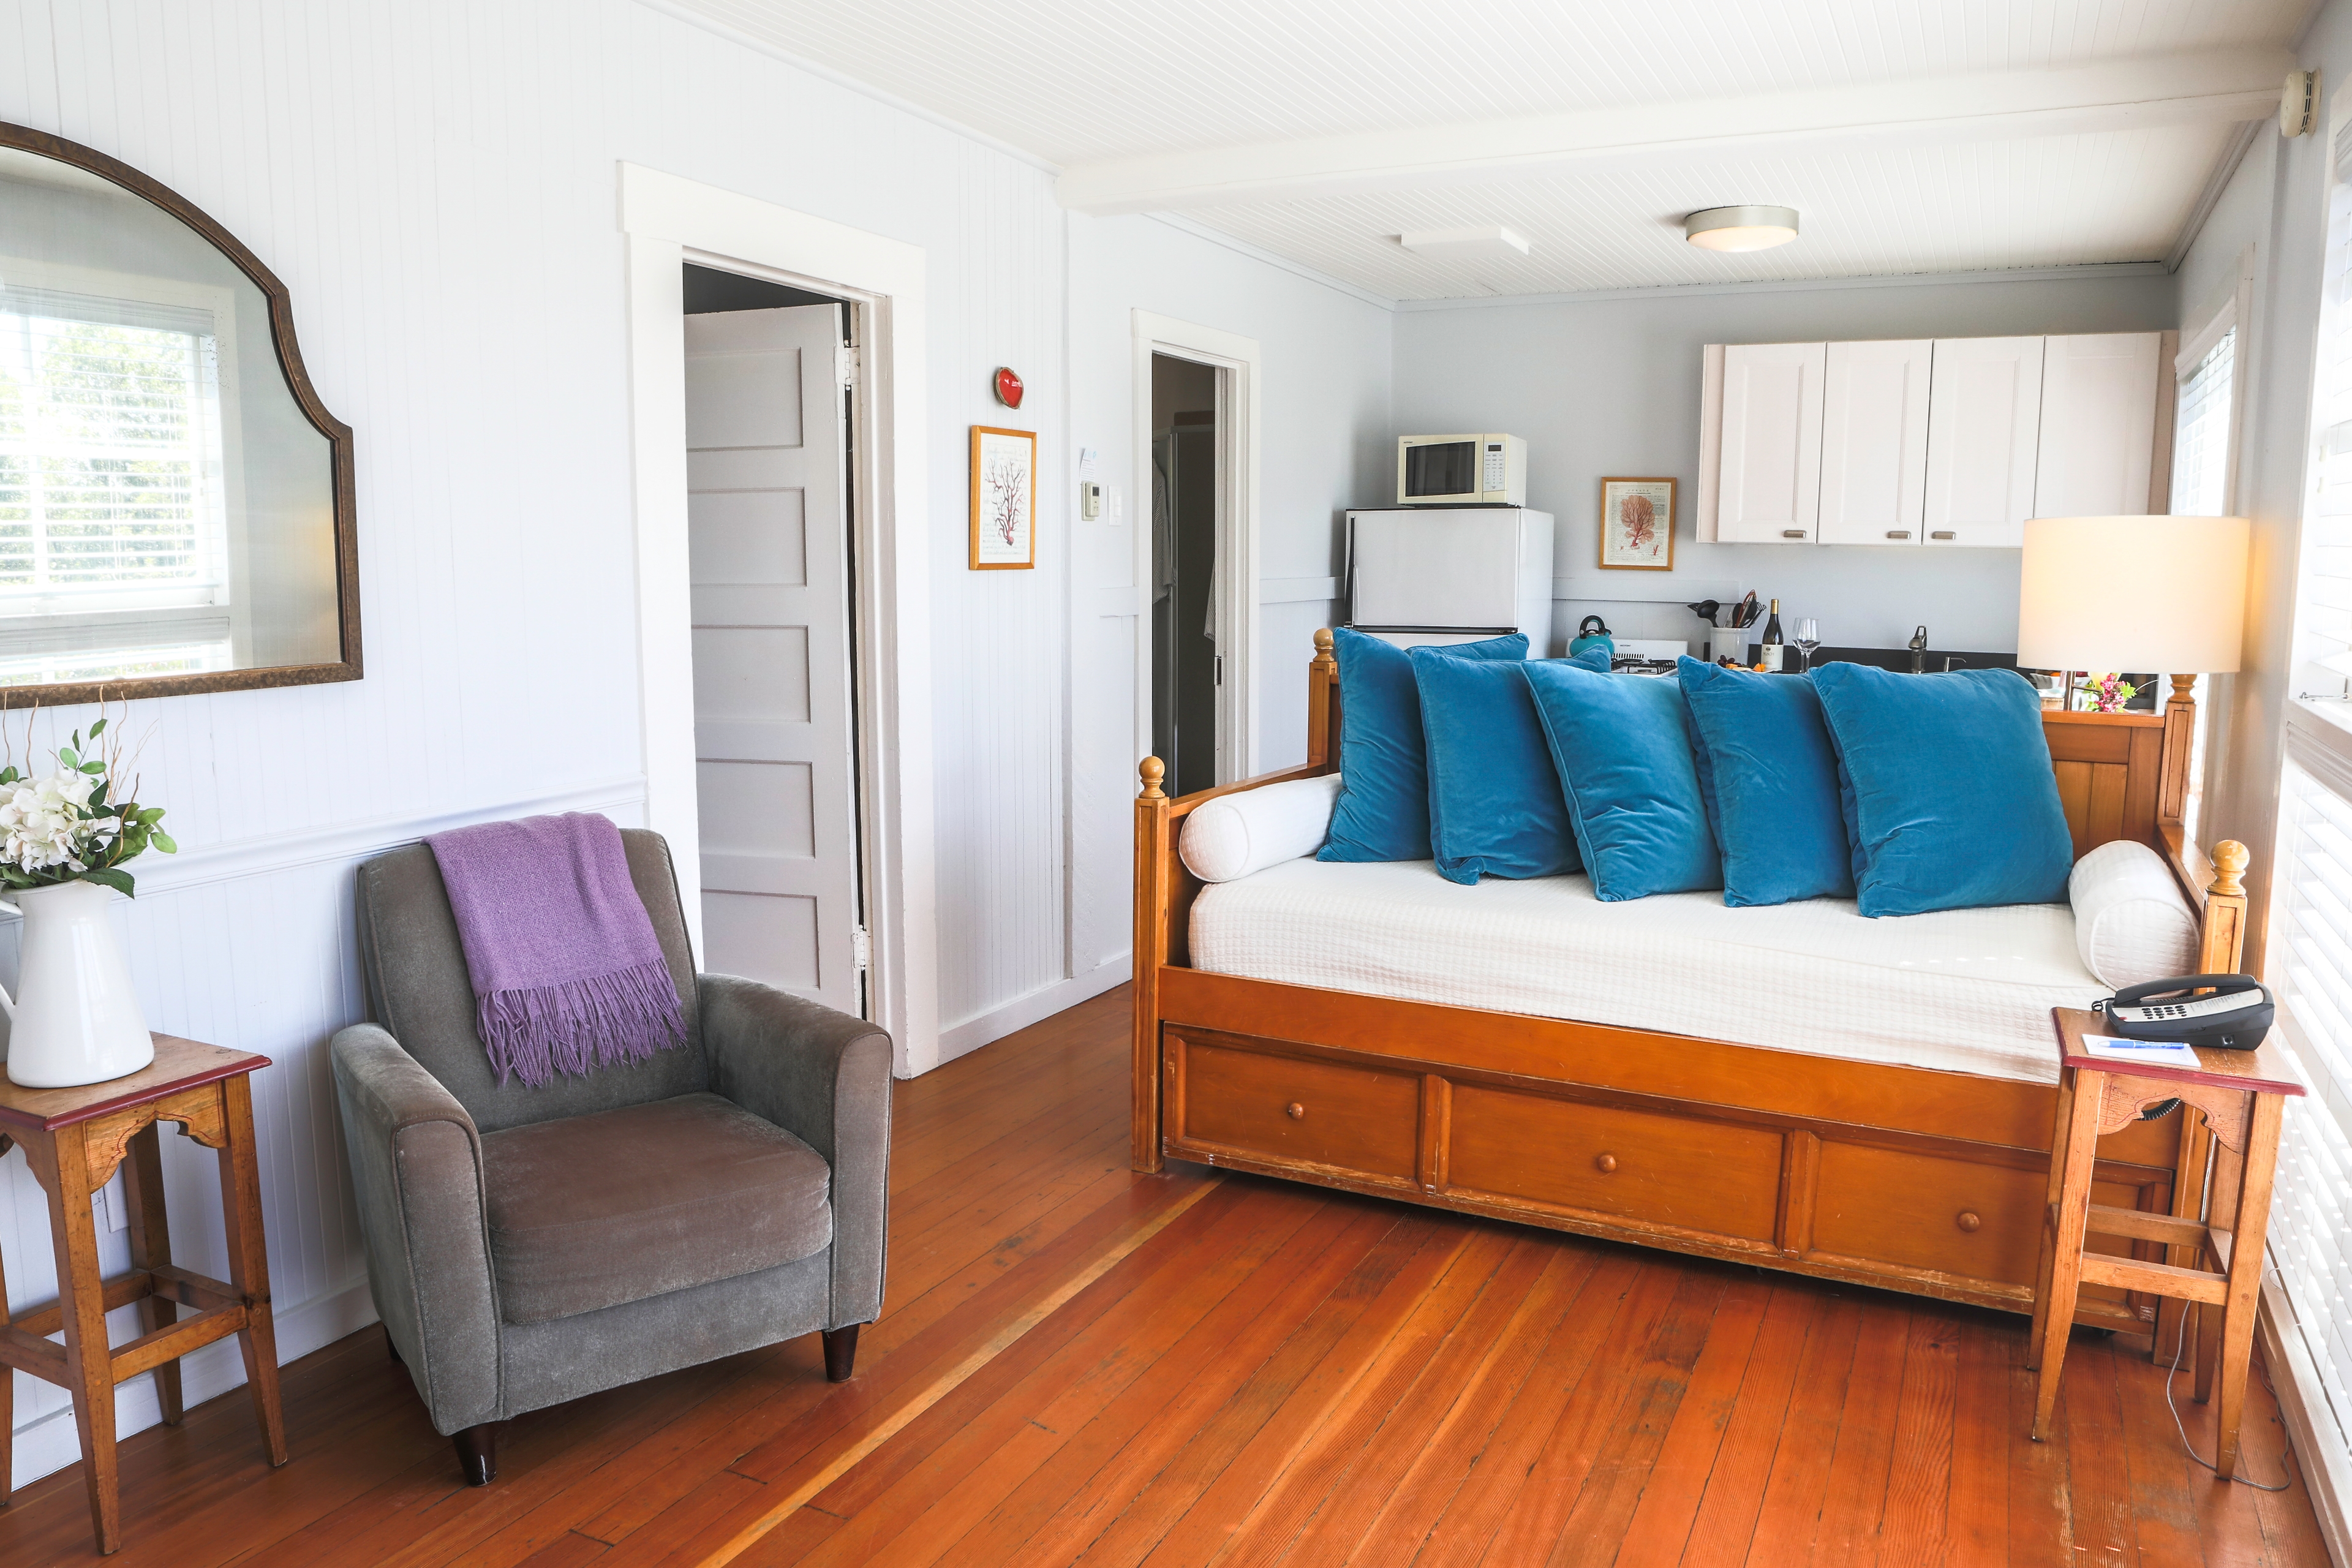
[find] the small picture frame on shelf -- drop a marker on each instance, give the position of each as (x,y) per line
(1004,500)
(1637,525)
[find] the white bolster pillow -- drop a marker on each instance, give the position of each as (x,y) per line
(2131,922)
(1235,834)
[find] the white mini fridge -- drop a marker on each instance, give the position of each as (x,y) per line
(1420,575)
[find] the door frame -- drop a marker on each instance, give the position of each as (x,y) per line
(668,222)
(1236,360)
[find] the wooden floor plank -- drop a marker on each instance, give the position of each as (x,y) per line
(1733,1489)
(1570,1357)
(1079,1364)
(1676,1482)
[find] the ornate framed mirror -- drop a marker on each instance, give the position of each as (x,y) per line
(176,509)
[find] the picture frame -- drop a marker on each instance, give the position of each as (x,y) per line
(1004,482)
(1637,525)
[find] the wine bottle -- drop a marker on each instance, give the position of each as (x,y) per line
(1771,653)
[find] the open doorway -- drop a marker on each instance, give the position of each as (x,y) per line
(772,573)
(1186,501)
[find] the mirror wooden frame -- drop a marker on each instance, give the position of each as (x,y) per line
(298,380)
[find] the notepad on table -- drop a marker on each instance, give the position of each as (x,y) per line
(2141,1053)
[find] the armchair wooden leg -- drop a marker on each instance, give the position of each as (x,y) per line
(478,1453)
(840,1353)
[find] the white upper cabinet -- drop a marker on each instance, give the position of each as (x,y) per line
(1875,442)
(2099,425)
(1984,426)
(1769,478)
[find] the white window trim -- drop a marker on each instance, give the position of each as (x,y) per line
(1237,533)
(668,221)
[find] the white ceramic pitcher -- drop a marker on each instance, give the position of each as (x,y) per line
(75,1018)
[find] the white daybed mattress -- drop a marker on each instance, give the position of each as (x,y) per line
(1961,990)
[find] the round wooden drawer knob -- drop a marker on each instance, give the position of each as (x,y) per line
(1294,1110)
(1968,1220)
(1604,1163)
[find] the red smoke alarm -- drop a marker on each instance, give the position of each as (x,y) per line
(1008,388)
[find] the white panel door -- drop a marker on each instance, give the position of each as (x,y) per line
(1770,486)
(768,544)
(1444,567)
(2098,424)
(1875,442)
(1984,423)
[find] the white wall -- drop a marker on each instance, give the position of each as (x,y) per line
(1610,386)
(436,183)
(1323,438)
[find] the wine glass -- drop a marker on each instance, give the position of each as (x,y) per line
(1809,638)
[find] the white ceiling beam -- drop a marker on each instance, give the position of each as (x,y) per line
(2202,86)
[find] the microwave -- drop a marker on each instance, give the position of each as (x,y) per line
(1462,470)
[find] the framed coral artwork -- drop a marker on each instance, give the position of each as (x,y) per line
(1637,525)
(1004,500)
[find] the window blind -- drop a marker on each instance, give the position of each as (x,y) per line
(112,491)
(2200,448)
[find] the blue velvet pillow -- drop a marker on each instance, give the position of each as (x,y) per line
(1948,796)
(1769,778)
(1623,750)
(1383,810)
(1495,803)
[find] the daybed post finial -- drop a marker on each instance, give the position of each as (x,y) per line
(2229,858)
(1324,658)
(2184,689)
(1153,771)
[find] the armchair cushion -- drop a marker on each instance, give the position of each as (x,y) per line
(594,1211)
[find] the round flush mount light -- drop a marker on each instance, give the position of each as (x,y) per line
(1741,228)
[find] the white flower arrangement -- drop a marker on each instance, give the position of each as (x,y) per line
(67,826)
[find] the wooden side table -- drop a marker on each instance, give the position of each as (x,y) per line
(74,1139)
(2242,1095)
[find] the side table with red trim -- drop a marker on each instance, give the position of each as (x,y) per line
(74,1139)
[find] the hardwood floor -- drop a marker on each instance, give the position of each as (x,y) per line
(1081,1365)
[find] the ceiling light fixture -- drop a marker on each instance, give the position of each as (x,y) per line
(1741,228)
(1463,244)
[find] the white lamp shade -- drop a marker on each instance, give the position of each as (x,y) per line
(2159,594)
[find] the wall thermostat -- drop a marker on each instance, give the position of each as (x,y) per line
(1090,500)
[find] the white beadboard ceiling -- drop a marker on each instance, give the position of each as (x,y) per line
(1913,135)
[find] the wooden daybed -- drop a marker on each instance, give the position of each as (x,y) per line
(1929,1182)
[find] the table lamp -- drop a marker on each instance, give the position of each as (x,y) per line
(2133,593)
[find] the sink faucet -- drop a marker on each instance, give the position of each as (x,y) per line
(1920,651)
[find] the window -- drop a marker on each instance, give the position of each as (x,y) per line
(2204,479)
(2308,957)
(111,475)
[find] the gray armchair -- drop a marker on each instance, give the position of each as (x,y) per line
(529,1245)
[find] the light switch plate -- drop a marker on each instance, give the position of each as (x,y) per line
(1090,500)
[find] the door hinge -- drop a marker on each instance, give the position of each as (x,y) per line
(847,363)
(861,948)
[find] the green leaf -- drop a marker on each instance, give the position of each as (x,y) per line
(151,815)
(163,841)
(94,767)
(69,756)
(98,729)
(106,877)
(8,776)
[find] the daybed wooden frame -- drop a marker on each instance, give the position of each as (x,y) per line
(1906,1178)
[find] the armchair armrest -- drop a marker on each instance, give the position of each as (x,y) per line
(416,1163)
(823,1076)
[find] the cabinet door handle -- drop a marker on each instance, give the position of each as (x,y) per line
(1604,1163)
(1943,533)
(1294,1110)
(1793,534)
(1898,533)
(1967,1219)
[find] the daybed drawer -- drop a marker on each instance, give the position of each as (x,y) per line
(1286,1107)
(1949,1216)
(1710,1176)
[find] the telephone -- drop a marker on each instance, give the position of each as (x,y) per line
(2235,1017)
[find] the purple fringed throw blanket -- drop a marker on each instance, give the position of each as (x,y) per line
(567,973)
